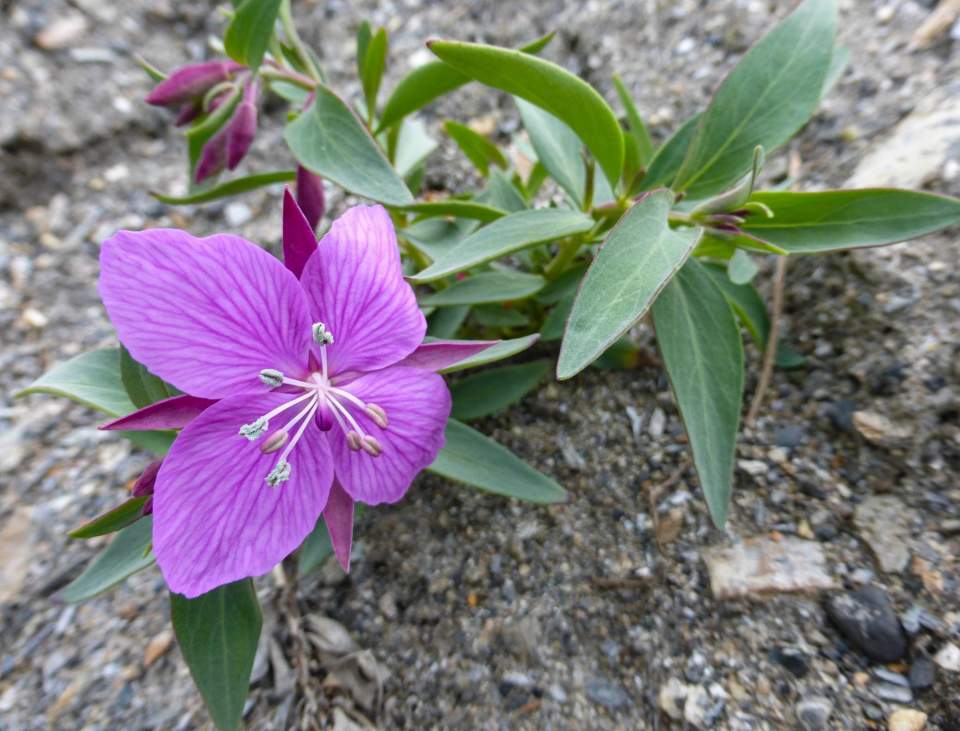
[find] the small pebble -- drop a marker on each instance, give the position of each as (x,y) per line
(907,719)
(922,673)
(814,713)
(892,693)
(948,657)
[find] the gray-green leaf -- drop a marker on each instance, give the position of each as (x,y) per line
(470,457)
(128,553)
(497,286)
(493,390)
(703,355)
(767,97)
(640,255)
(218,634)
(330,140)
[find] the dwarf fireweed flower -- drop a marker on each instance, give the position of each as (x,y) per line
(308,387)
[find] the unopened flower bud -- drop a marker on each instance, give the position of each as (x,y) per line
(228,147)
(310,196)
(191,82)
(144,485)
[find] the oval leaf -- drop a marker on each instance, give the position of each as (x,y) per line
(478,149)
(640,255)
(470,457)
(127,554)
(330,140)
(810,223)
(702,352)
(511,233)
(113,520)
(92,379)
(550,87)
(503,349)
(669,156)
(230,188)
(457,208)
(249,32)
(558,149)
(218,634)
(492,391)
(769,95)
(486,287)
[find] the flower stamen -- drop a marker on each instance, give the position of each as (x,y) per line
(275,441)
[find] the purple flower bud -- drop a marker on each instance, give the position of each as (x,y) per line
(190,82)
(189,111)
(144,485)
(228,147)
(310,195)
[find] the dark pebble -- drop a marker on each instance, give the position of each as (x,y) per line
(840,414)
(922,673)
(792,659)
(865,617)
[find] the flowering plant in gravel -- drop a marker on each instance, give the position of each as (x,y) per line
(288,393)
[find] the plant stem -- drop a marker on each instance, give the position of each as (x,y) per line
(290,30)
(288,75)
(566,254)
(770,352)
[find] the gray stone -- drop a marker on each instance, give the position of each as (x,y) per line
(813,713)
(607,694)
(892,693)
(948,657)
(882,521)
(922,673)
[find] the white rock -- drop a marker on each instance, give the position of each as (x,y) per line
(761,566)
(237,214)
(696,706)
(906,719)
(672,698)
(753,467)
(948,657)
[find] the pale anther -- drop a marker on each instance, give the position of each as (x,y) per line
(271,377)
(378,415)
(254,429)
(275,441)
(371,446)
(354,441)
(321,335)
(280,473)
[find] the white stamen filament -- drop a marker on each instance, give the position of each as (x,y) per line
(319,392)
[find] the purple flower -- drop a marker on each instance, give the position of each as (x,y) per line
(189,83)
(300,396)
(230,144)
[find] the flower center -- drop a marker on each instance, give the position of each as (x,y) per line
(319,398)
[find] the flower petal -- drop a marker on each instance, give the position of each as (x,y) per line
(171,413)
(310,195)
(338,515)
(216,520)
(417,404)
(356,288)
(299,240)
(206,315)
(436,355)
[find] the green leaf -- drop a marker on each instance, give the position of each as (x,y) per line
(228,189)
(550,87)
(478,149)
(445,322)
(315,549)
(640,255)
(498,286)
(429,81)
(374,62)
(500,351)
(741,268)
(769,95)
(141,385)
(746,303)
(364,34)
(509,234)
(556,320)
(470,457)
(564,286)
(203,129)
(558,149)
(218,634)
(120,517)
(499,316)
(330,140)
(492,391)
(127,554)
(810,223)
(92,379)
(838,64)
(457,208)
(502,194)
(638,130)
(669,156)
(249,33)
(435,236)
(702,352)
(414,145)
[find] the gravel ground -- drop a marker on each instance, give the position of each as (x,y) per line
(467,611)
